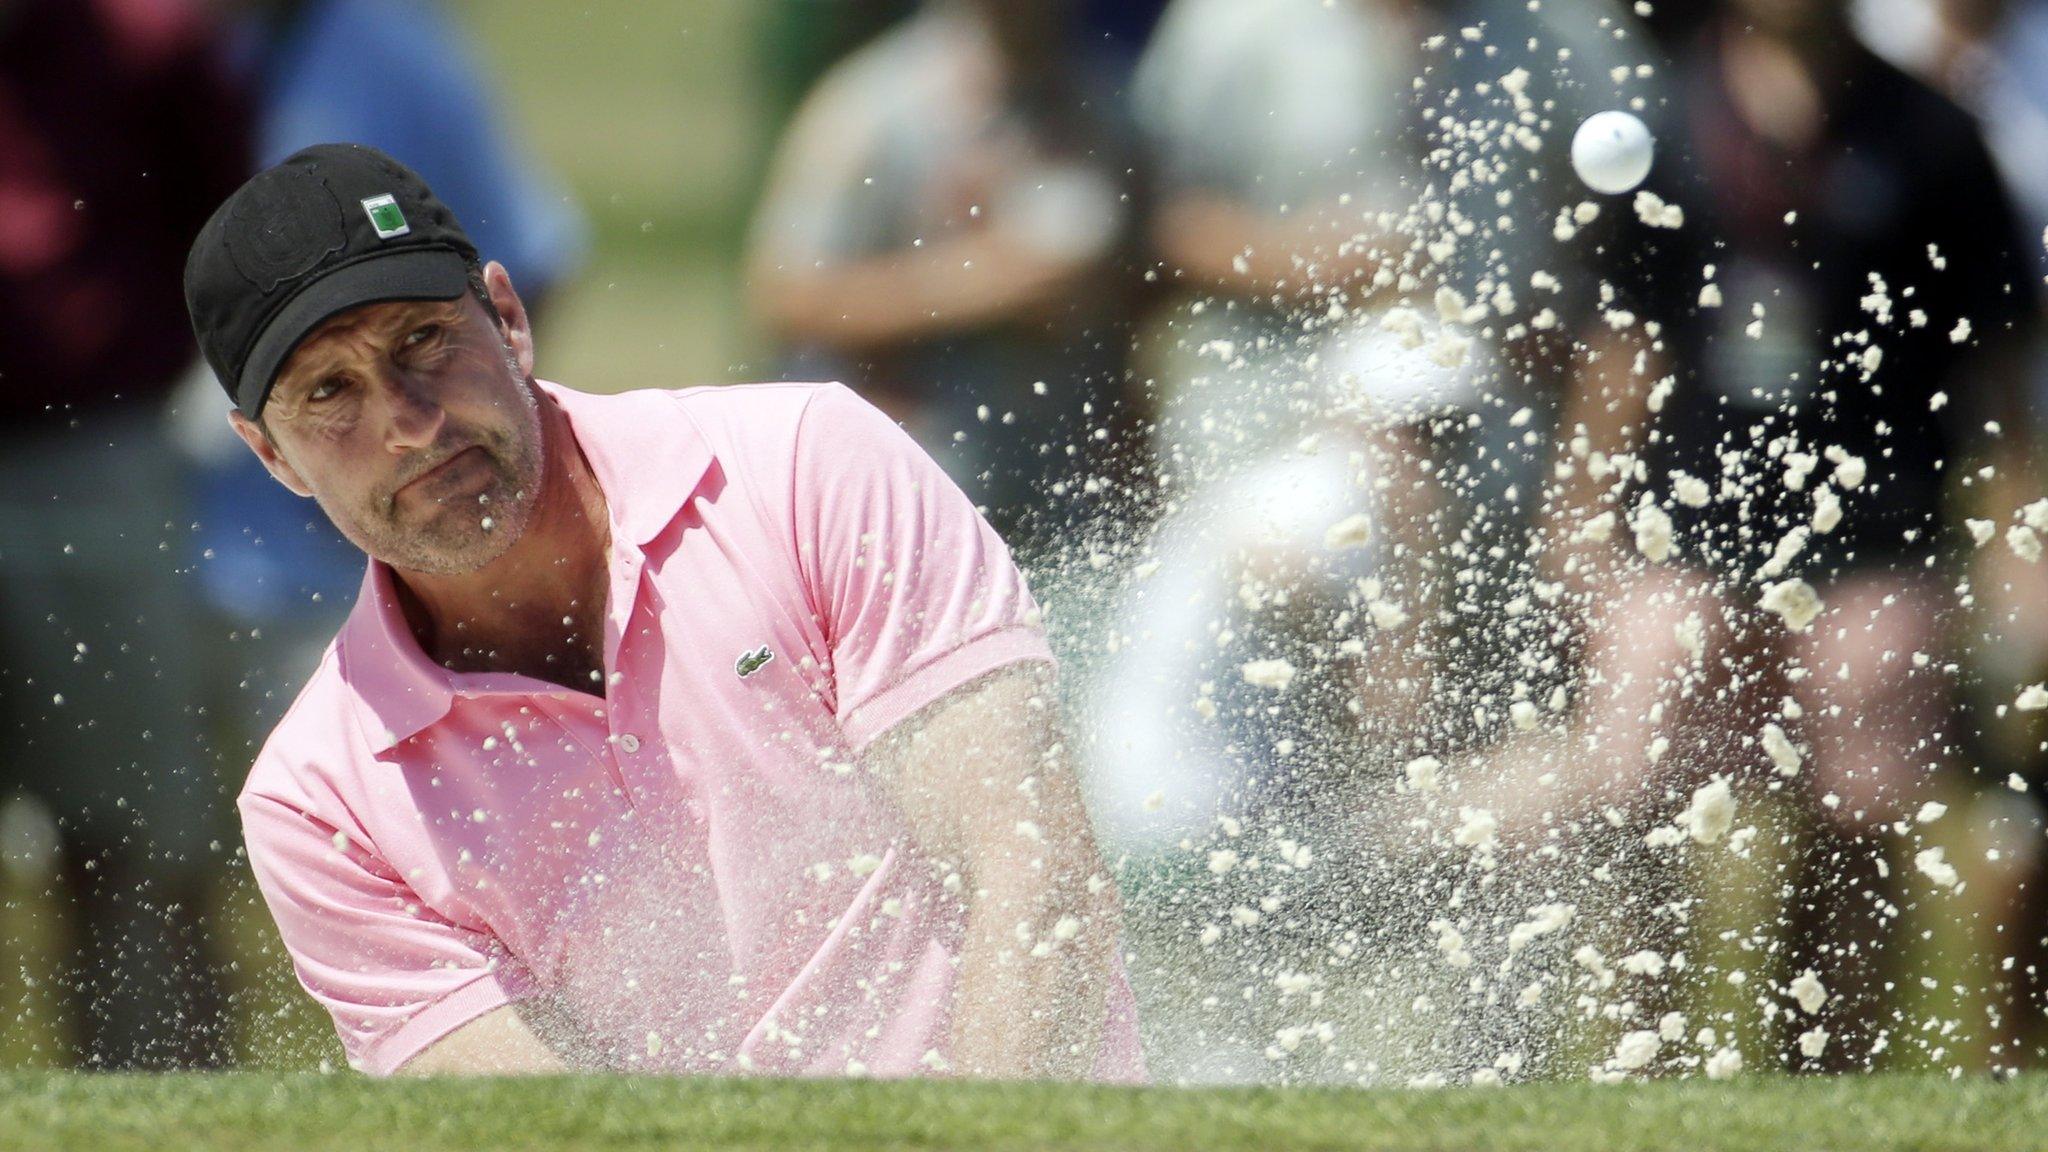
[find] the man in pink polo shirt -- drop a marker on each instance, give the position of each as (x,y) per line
(705,731)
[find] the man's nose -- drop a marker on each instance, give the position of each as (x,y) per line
(413,415)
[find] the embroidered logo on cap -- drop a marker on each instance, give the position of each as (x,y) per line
(282,228)
(385,216)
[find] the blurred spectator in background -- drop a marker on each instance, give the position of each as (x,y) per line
(399,75)
(402,76)
(1114,32)
(1358,213)
(1830,361)
(1992,57)
(1277,129)
(943,229)
(1356,196)
(798,41)
(119,132)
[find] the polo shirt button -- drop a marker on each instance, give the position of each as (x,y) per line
(629,742)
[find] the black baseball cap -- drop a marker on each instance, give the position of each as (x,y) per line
(332,227)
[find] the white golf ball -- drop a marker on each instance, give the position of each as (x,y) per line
(1612,152)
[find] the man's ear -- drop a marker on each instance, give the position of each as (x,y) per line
(514,324)
(252,434)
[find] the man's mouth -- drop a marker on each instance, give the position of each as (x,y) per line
(440,474)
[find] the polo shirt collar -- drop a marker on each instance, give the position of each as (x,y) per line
(397,690)
(648,457)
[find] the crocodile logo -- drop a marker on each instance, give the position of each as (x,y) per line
(752,662)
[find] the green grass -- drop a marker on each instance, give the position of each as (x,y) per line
(248,1111)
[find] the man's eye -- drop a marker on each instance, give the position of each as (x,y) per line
(327,389)
(422,334)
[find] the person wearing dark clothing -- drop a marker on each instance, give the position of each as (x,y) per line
(949,228)
(1831,318)
(1887,258)
(118,134)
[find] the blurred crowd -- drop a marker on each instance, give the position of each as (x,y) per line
(1360,452)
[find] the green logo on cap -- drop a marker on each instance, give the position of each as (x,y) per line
(385,216)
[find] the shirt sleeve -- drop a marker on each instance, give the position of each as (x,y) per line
(395,975)
(917,595)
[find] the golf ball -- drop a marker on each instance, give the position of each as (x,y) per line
(1611,152)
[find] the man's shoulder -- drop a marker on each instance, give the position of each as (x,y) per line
(759,424)
(722,411)
(752,401)
(751,425)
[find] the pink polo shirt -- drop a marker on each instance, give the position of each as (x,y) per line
(692,862)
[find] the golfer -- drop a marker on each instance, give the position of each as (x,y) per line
(703,731)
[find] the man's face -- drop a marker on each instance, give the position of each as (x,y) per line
(413,426)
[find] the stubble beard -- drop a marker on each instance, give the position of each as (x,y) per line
(465,533)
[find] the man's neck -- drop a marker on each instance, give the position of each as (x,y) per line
(538,610)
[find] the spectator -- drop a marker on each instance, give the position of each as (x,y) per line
(1267,120)
(1828,362)
(1116,32)
(1357,214)
(119,131)
(1307,370)
(1992,57)
(797,41)
(402,76)
(942,229)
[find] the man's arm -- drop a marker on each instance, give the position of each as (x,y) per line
(394,972)
(985,782)
(498,1043)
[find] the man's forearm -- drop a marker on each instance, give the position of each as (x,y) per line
(1030,998)
(985,783)
(499,1043)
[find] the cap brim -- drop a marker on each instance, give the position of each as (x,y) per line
(407,274)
